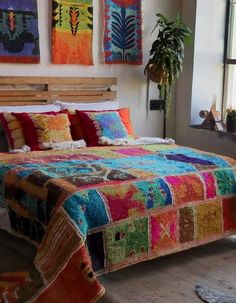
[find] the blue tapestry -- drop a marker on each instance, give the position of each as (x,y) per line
(19,36)
(123,32)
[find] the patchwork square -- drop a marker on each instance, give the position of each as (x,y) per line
(229,213)
(87,210)
(210,185)
(133,151)
(122,201)
(209,220)
(226,181)
(186,188)
(127,240)
(164,231)
(153,193)
(186,224)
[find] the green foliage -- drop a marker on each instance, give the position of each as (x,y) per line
(167,53)
(231,112)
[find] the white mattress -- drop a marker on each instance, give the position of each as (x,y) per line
(4,219)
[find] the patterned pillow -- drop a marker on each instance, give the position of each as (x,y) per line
(51,128)
(99,124)
(40,128)
(13,130)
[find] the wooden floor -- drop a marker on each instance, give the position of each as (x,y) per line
(169,279)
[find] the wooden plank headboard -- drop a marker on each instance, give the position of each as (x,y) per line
(44,90)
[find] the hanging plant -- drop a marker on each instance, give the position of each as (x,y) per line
(167,53)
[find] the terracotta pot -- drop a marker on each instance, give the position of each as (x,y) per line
(155,73)
(231,123)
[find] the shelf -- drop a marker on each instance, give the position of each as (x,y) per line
(225,132)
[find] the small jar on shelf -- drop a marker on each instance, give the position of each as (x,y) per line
(231,120)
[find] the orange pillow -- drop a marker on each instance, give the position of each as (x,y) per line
(51,128)
(125,117)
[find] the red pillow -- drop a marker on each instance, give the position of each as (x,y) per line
(75,126)
(29,130)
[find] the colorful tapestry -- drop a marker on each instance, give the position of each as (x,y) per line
(19,36)
(123,31)
(72,32)
(98,209)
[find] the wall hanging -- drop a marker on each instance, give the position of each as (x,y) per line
(72,32)
(19,36)
(123,31)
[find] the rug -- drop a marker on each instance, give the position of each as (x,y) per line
(213,296)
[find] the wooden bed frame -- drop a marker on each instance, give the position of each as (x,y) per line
(45,90)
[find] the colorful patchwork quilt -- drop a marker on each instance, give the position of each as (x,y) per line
(98,209)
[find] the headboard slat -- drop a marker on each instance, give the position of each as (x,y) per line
(41,90)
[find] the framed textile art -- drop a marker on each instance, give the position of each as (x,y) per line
(19,36)
(72,32)
(123,31)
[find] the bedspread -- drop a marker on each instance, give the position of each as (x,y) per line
(95,210)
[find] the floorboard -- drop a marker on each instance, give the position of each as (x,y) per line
(169,279)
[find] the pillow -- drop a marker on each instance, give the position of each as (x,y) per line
(102,124)
(125,117)
(30,108)
(75,126)
(13,130)
(12,127)
(51,128)
(29,129)
(108,105)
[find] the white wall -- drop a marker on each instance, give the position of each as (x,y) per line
(194,83)
(132,83)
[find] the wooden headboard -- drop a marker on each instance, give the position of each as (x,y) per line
(44,90)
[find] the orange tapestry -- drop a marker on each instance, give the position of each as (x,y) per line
(72,32)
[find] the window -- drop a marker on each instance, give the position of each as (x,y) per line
(230,57)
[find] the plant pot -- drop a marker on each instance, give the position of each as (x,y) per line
(155,73)
(231,124)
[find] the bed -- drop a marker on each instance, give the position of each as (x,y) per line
(95,210)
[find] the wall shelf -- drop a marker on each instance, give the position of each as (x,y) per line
(223,132)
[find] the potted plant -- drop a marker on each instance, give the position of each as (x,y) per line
(231,120)
(167,53)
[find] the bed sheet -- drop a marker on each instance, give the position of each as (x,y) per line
(96,210)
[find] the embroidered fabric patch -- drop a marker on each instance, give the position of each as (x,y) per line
(127,240)
(186,224)
(186,188)
(83,206)
(164,231)
(209,185)
(209,220)
(122,201)
(225,182)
